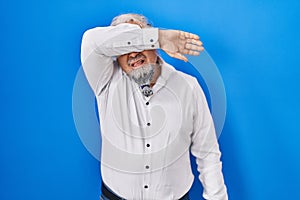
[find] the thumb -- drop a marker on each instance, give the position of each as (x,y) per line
(177,55)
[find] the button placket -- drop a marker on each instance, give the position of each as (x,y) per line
(147,175)
(147,107)
(147,149)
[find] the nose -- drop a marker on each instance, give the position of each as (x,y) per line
(133,54)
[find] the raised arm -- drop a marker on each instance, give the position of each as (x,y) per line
(100,45)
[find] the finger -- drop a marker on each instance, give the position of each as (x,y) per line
(191,35)
(177,55)
(180,56)
(194,53)
(190,52)
(184,51)
(193,41)
(182,35)
(189,46)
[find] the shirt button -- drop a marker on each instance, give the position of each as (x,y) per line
(129,43)
(147,145)
(147,103)
(147,167)
(145,186)
(151,40)
(152,45)
(148,124)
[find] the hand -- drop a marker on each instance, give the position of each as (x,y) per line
(176,43)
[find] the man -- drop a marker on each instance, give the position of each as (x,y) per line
(151,115)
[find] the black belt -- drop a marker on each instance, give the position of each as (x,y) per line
(111,196)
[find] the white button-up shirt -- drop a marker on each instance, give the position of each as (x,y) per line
(146,140)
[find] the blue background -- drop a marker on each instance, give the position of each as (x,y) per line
(255,45)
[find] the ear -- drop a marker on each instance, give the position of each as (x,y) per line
(157,56)
(158,59)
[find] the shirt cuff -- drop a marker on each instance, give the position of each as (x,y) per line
(150,38)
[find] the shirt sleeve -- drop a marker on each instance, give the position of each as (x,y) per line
(206,150)
(101,45)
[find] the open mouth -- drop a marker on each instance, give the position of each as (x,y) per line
(137,62)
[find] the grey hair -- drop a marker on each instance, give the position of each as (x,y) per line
(131,18)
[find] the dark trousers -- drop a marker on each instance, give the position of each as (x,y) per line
(107,194)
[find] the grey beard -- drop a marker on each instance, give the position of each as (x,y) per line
(142,76)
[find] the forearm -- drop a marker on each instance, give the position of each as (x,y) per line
(118,40)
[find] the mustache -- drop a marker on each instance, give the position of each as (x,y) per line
(138,57)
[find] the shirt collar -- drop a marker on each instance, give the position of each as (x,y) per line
(166,72)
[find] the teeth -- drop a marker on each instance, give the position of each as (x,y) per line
(135,64)
(139,59)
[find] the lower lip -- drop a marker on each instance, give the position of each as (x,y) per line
(139,66)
